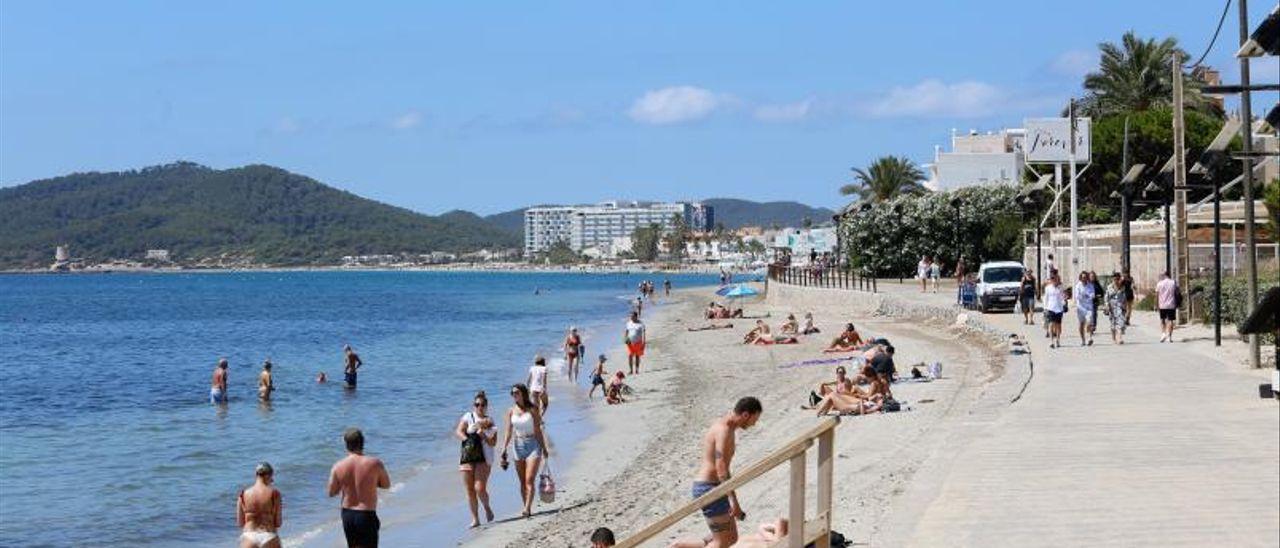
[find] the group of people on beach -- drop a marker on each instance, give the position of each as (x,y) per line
(788,333)
(1115,299)
(869,391)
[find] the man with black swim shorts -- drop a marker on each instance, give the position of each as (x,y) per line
(718,446)
(350,370)
(358,477)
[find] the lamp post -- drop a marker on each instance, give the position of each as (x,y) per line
(1125,192)
(1209,165)
(955,228)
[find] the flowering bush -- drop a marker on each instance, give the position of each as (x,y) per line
(888,238)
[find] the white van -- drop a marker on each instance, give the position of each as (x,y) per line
(998,284)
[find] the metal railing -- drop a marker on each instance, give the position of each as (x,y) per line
(801,532)
(833,278)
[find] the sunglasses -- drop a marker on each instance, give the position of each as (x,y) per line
(479,404)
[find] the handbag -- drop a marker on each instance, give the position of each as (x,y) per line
(472,450)
(546,484)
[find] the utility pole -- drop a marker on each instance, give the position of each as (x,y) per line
(1124,204)
(1246,134)
(1183,275)
(1071,165)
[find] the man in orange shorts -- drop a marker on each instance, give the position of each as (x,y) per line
(634,336)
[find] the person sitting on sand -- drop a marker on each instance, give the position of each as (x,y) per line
(791,326)
(761,331)
(809,328)
(766,535)
(613,394)
(842,385)
(848,341)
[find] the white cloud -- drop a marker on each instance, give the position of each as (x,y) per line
(930,98)
(789,112)
(286,125)
(408,120)
(1074,63)
(674,105)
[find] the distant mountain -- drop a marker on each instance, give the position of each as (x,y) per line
(730,212)
(270,214)
(734,213)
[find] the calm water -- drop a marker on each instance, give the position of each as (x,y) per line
(106,436)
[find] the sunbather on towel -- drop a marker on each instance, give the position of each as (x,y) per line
(791,326)
(710,326)
(761,331)
(809,328)
(848,341)
(856,402)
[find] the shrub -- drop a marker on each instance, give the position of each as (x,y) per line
(1235,298)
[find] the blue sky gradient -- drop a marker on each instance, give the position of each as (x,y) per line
(492,106)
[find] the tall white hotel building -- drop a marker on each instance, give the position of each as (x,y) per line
(598,225)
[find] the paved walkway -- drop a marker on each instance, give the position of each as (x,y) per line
(1140,444)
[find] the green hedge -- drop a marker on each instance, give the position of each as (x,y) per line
(1234,299)
(889,238)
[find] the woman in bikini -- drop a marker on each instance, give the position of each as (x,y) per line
(573,354)
(475,475)
(791,326)
(855,402)
(258,511)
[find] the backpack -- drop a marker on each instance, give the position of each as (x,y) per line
(892,406)
(472,450)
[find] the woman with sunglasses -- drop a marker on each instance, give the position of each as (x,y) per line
(475,476)
(524,427)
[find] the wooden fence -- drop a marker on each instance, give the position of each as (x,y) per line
(801,531)
(833,278)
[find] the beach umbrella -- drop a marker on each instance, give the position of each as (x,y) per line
(737,291)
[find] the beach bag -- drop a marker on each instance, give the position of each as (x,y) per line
(892,406)
(546,485)
(472,450)
(814,399)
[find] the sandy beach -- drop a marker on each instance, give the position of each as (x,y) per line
(640,463)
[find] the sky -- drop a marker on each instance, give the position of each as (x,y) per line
(490,106)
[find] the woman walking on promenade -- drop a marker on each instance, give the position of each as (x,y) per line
(1116,307)
(258,511)
(1054,305)
(537,383)
(478,435)
(573,354)
(524,427)
(1083,294)
(1027,297)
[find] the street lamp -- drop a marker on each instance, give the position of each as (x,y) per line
(1028,202)
(955,228)
(1209,165)
(1125,192)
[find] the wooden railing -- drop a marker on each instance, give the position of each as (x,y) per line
(834,278)
(801,531)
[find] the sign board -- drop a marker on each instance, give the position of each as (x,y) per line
(1048,140)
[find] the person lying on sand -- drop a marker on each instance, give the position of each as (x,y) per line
(848,341)
(856,402)
(767,534)
(791,326)
(710,327)
(809,328)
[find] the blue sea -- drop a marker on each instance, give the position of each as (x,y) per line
(107,437)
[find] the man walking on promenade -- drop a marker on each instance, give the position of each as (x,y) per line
(1167,302)
(718,446)
(1083,294)
(634,336)
(352,366)
(218,384)
(358,477)
(1054,305)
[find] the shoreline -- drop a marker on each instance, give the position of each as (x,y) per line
(517,268)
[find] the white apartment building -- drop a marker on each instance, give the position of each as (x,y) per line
(600,226)
(978,159)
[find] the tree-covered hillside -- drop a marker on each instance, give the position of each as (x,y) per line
(263,212)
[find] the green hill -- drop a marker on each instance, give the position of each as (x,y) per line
(270,214)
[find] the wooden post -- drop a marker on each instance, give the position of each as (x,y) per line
(826,473)
(795,536)
(1183,275)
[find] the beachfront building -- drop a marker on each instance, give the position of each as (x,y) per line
(161,255)
(800,242)
(599,227)
(991,158)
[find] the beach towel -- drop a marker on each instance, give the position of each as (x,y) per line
(821,361)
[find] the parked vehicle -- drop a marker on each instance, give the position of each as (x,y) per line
(998,284)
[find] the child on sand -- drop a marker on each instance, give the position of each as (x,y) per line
(613,394)
(597,377)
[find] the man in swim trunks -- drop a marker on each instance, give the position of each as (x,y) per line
(265,383)
(634,336)
(352,366)
(218,385)
(718,446)
(358,477)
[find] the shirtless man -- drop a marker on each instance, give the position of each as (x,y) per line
(258,511)
(842,385)
(352,367)
(848,341)
(717,455)
(218,384)
(791,326)
(265,384)
(759,334)
(358,477)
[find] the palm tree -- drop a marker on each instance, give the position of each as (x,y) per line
(1136,75)
(886,178)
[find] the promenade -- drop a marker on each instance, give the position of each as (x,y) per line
(1140,444)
